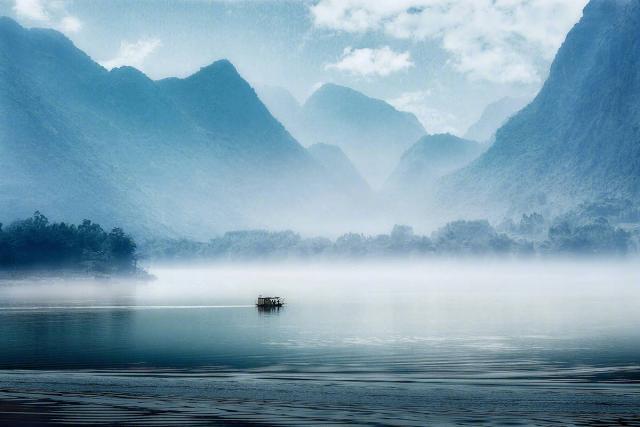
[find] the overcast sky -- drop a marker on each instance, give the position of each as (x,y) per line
(444,60)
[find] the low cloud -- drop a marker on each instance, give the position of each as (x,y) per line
(133,54)
(70,24)
(50,13)
(31,9)
(315,87)
(504,41)
(433,120)
(372,62)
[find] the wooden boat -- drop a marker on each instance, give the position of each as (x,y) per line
(270,302)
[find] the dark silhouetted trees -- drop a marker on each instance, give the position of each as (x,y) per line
(35,243)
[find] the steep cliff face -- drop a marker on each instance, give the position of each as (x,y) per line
(580,137)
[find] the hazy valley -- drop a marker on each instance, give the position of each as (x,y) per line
(199,156)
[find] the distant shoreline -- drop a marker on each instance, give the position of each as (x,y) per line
(41,274)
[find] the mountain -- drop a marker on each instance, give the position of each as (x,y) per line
(190,156)
(340,168)
(579,138)
(432,157)
(493,117)
(223,104)
(41,150)
(282,104)
(371,132)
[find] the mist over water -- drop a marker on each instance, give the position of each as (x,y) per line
(476,316)
(439,341)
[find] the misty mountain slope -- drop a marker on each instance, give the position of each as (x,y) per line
(432,157)
(43,149)
(86,142)
(183,156)
(580,137)
(223,103)
(493,117)
(371,132)
(282,104)
(266,170)
(340,168)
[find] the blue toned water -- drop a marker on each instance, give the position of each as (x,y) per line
(436,343)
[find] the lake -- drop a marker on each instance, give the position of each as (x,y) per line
(416,343)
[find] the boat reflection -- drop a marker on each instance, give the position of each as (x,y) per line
(269,309)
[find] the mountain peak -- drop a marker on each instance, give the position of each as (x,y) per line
(127,72)
(221,101)
(332,87)
(8,23)
(222,67)
(132,80)
(430,158)
(44,46)
(332,91)
(355,101)
(153,154)
(346,100)
(579,137)
(370,131)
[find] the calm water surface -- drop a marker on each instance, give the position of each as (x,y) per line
(424,343)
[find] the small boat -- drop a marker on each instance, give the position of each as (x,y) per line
(268,302)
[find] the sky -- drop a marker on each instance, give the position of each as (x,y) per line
(443,60)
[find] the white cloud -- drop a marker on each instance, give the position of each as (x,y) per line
(503,41)
(31,9)
(433,120)
(51,13)
(315,87)
(70,24)
(133,54)
(369,62)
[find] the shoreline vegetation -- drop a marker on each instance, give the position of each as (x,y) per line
(609,227)
(35,247)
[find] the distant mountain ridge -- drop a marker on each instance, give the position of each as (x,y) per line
(493,117)
(371,132)
(579,138)
(283,105)
(429,159)
(178,156)
(340,168)
(200,155)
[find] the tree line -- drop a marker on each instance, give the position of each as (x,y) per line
(36,243)
(607,227)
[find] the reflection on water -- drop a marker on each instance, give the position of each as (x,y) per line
(265,309)
(531,343)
